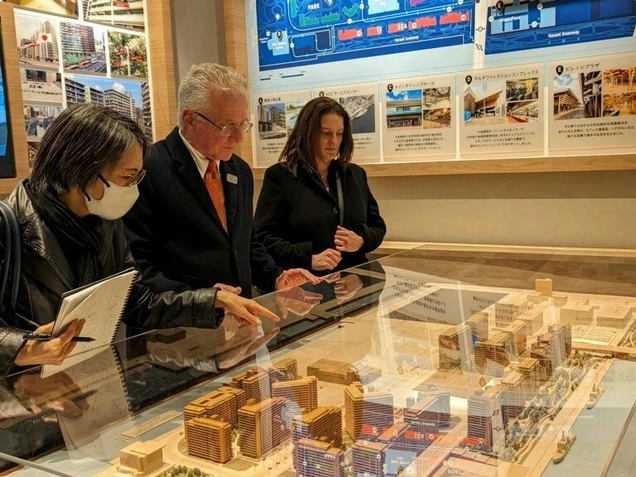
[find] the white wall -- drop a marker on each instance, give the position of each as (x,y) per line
(587,209)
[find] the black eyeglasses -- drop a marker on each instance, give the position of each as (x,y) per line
(244,127)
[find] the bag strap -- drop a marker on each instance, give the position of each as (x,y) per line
(10,273)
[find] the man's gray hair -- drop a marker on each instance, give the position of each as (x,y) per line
(194,91)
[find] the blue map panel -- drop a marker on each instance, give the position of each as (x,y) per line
(537,24)
(307,32)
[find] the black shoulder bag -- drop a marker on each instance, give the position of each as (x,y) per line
(10,265)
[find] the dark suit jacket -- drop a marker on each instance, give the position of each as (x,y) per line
(296,217)
(174,231)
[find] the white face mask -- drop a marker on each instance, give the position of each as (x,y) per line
(116,202)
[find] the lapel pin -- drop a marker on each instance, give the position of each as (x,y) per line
(232,179)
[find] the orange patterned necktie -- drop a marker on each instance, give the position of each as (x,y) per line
(213,184)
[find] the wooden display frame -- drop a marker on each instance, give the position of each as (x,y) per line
(236,41)
(162,81)
(15,110)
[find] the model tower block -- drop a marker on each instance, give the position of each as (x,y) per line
(255,383)
(323,424)
(140,459)
(303,391)
(223,402)
(262,426)
(368,458)
(210,439)
(485,424)
(318,459)
(367,413)
(288,367)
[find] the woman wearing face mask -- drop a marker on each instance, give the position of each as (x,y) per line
(84,180)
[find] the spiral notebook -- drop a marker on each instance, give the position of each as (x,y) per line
(101,304)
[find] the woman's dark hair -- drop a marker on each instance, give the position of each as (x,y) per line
(83,140)
(303,143)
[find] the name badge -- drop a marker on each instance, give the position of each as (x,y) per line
(232,179)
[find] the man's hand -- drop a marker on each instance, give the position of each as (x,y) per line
(297,301)
(249,342)
(328,259)
(55,393)
(242,308)
(53,351)
(347,241)
(346,287)
(295,277)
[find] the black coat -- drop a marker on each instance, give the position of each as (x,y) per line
(174,231)
(46,274)
(296,217)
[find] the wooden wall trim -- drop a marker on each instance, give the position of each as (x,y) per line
(162,79)
(14,99)
(236,54)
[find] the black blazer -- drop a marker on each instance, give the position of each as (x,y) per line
(174,231)
(296,217)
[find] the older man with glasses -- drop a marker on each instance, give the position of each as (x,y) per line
(192,226)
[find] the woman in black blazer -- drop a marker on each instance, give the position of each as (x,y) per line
(315,210)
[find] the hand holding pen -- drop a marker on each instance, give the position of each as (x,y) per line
(53,350)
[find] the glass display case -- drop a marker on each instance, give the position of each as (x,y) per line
(437,361)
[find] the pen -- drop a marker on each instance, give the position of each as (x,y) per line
(49,336)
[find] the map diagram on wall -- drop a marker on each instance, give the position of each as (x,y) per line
(306,32)
(516,25)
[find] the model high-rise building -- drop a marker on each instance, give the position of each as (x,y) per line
(456,348)
(485,424)
(513,399)
(367,413)
(262,426)
(303,392)
(255,383)
(318,459)
(323,424)
(553,348)
(223,402)
(368,458)
(210,439)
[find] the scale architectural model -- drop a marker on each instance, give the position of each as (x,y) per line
(439,379)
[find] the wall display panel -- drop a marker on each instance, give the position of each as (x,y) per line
(65,61)
(67,8)
(127,14)
(276,115)
(593,104)
(502,111)
(418,115)
(300,44)
(361,103)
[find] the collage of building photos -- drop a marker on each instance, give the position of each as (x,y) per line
(93,51)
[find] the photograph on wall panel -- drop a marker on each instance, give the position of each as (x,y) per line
(129,97)
(276,115)
(67,8)
(36,40)
(116,13)
(593,104)
(83,48)
(502,111)
(127,55)
(37,119)
(418,122)
(360,102)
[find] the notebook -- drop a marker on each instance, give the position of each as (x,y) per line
(101,304)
